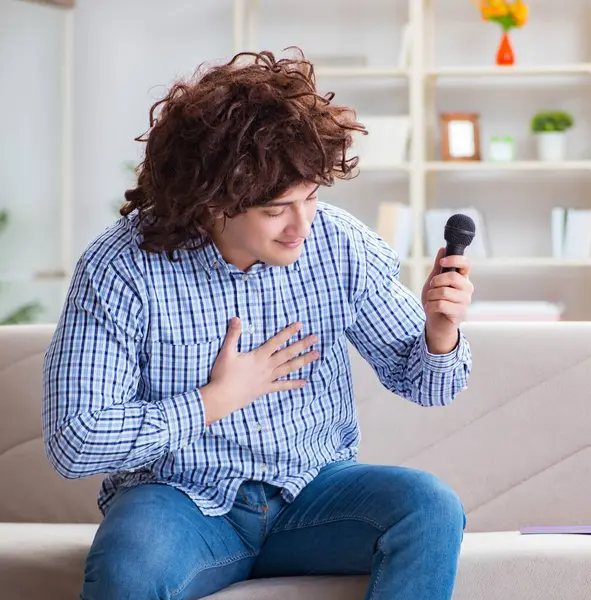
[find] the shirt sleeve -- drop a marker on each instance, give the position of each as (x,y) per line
(389,332)
(93,420)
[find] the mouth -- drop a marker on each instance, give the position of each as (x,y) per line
(292,244)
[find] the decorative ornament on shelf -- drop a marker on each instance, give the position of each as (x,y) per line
(460,136)
(508,15)
(550,131)
(501,148)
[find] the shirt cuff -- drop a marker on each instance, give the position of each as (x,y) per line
(445,363)
(185,415)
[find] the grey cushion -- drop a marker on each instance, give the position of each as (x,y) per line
(47,562)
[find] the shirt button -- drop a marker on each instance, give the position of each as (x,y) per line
(258,427)
(263,467)
(216,264)
(245,277)
(251,328)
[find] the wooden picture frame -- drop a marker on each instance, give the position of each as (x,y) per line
(460,136)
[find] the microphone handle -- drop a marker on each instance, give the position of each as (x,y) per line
(452,250)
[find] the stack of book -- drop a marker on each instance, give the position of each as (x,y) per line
(514,311)
(571,233)
(394,225)
(435,220)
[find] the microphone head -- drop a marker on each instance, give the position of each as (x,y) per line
(459,230)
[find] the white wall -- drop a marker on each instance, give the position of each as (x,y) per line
(31,46)
(128,51)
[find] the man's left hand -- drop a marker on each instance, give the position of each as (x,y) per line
(446,298)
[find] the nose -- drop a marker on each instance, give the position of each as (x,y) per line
(300,226)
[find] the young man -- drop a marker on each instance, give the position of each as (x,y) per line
(201,359)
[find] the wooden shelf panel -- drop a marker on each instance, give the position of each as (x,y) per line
(514,262)
(513,71)
(527,165)
(392,72)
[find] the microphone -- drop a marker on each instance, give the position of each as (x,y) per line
(459,233)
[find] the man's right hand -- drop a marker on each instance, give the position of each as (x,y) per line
(238,379)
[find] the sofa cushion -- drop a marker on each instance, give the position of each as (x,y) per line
(46,562)
(43,561)
(513,448)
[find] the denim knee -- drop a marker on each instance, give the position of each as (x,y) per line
(134,571)
(437,505)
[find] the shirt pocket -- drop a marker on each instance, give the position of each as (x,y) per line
(175,368)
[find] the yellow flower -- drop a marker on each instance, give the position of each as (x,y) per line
(519,12)
(493,8)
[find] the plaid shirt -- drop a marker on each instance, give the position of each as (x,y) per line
(138,335)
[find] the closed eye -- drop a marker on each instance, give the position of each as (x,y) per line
(281,212)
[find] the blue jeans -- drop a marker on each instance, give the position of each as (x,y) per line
(403,527)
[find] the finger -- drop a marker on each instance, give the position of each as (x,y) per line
(453,315)
(232,335)
(295,364)
(460,262)
(436,265)
(274,343)
(451,279)
(292,350)
(447,293)
(287,384)
(452,310)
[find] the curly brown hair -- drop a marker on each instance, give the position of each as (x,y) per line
(237,136)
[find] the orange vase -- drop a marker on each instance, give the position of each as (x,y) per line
(505,54)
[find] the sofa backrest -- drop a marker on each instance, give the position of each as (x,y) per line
(514,445)
(30,490)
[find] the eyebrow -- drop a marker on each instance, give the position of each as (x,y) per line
(288,202)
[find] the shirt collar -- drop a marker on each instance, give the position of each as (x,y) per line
(211,260)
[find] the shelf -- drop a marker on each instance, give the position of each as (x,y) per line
(519,262)
(484,165)
(524,165)
(402,167)
(27,276)
(494,71)
(361,72)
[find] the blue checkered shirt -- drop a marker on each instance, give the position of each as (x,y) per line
(138,335)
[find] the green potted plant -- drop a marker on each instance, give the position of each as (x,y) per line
(550,128)
(26,313)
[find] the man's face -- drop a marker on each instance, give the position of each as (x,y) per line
(273,234)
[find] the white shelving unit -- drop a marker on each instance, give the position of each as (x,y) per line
(422,79)
(423,179)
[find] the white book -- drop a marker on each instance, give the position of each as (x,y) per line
(386,143)
(435,220)
(405,52)
(394,226)
(577,237)
(558,231)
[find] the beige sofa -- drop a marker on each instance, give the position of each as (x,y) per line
(514,445)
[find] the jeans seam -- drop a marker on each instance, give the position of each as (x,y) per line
(332,520)
(247,502)
(378,573)
(197,570)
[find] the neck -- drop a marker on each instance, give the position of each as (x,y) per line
(232,257)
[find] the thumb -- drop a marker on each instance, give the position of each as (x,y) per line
(436,266)
(232,335)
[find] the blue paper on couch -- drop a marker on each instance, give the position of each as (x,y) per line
(579,529)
